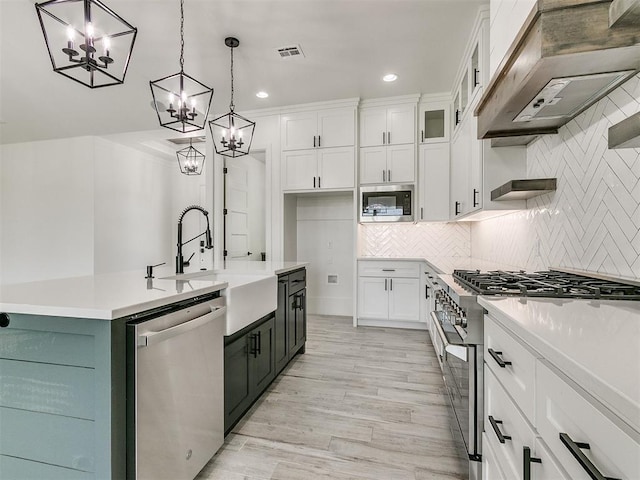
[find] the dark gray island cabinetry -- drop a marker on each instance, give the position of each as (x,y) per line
(254,356)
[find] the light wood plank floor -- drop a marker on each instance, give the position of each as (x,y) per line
(361,403)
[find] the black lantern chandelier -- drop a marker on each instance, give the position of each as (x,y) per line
(87,41)
(187,100)
(190,160)
(232,133)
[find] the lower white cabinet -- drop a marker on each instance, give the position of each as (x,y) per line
(538,425)
(390,292)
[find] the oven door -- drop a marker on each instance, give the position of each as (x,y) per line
(459,368)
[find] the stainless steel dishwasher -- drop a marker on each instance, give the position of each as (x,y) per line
(175,404)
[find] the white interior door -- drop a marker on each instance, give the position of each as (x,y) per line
(237,205)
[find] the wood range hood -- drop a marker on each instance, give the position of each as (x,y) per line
(567,56)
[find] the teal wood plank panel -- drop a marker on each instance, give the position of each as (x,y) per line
(12,468)
(53,439)
(48,347)
(47,388)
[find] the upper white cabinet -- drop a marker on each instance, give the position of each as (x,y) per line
(318,148)
(325,128)
(433,185)
(387,164)
(387,125)
(434,120)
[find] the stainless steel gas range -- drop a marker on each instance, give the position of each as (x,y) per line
(457,331)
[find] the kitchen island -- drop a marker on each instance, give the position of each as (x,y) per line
(63,369)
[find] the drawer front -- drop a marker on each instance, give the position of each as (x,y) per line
(504,422)
(491,469)
(562,410)
(389,269)
(547,468)
(518,371)
(297,281)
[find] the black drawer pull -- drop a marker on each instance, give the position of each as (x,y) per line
(527,460)
(576,450)
(496,356)
(259,343)
(501,436)
(388,269)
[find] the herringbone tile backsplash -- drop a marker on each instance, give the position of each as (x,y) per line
(414,240)
(592,221)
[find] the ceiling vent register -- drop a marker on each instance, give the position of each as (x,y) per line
(291,51)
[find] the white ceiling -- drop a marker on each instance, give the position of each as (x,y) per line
(349,45)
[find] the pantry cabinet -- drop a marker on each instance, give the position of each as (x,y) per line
(391,293)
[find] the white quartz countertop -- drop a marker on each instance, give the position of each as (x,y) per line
(446,264)
(106,297)
(258,268)
(596,343)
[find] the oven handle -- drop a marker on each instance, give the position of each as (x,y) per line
(457,350)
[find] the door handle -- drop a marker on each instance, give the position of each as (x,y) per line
(152,338)
(527,460)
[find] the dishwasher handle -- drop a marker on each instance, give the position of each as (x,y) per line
(152,338)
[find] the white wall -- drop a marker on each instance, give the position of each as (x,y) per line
(47,220)
(325,239)
(592,221)
(86,205)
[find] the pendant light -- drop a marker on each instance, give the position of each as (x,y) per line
(232,133)
(87,41)
(181,102)
(190,160)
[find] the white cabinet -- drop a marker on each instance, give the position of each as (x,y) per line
(390,292)
(387,125)
(434,121)
(540,425)
(387,164)
(433,186)
(320,169)
(318,129)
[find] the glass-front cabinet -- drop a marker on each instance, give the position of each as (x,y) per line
(434,120)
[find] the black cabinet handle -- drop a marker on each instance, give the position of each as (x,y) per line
(314,182)
(496,356)
(4,320)
(421,213)
(457,116)
(457,210)
(253,347)
(501,436)
(319,186)
(391,284)
(389,175)
(388,138)
(383,138)
(527,460)
(259,342)
(576,450)
(385,284)
(314,141)
(388,269)
(476,73)
(319,143)
(475,202)
(422,135)
(426,291)
(384,175)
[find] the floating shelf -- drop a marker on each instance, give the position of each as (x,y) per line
(626,134)
(523,189)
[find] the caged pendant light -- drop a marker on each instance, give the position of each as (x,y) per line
(87,41)
(232,133)
(190,160)
(187,100)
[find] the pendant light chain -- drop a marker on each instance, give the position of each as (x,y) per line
(231,105)
(181,35)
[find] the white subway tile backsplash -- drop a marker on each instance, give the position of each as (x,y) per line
(592,221)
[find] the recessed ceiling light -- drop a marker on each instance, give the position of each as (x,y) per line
(390,77)
(262,94)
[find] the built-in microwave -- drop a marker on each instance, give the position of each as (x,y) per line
(386,203)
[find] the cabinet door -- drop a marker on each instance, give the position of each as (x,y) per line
(401,124)
(336,127)
(434,122)
(476,160)
(299,170)
(280,344)
(264,367)
(373,165)
(299,130)
(301,319)
(490,466)
(297,309)
(238,393)
(336,168)
(401,163)
(433,171)
(460,152)
(404,299)
(373,127)
(373,297)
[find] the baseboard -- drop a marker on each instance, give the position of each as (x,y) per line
(368,322)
